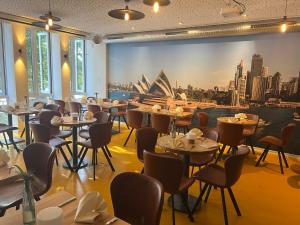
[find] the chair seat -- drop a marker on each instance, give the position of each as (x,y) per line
(185,183)
(212,174)
(183,123)
(58,142)
(200,159)
(63,133)
(271,140)
(86,144)
(84,134)
(5,128)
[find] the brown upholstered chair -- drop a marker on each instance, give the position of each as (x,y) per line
(161,123)
(41,133)
(146,139)
(7,130)
(203,119)
(230,134)
(135,120)
(249,131)
(107,100)
(169,170)
(93,108)
(62,106)
(121,113)
(279,143)
(75,107)
(100,136)
(45,119)
(53,107)
(200,159)
(137,199)
(186,122)
(223,178)
(39,159)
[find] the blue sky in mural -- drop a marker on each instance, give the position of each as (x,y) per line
(204,63)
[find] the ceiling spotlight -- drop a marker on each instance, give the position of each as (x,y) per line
(47,27)
(126,13)
(50,22)
(156,4)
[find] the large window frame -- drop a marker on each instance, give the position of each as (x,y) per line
(3,85)
(77,50)
(39,74)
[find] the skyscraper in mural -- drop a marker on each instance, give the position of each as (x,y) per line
(276,84)
(256,70)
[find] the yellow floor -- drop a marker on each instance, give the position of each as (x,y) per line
(263,194)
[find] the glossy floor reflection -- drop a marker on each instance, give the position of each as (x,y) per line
(263,194)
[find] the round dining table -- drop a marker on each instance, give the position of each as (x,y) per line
(230,119)
(75,124)
(182,146)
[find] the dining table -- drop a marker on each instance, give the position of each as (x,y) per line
(181,145)
(21,112)
(66,201)
(243,121)
(68,121)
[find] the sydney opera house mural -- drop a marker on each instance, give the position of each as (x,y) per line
(257,76)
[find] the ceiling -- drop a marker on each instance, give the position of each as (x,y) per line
(91,15)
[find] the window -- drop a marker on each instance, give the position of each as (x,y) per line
(38,62)
(2,66)
(77,61)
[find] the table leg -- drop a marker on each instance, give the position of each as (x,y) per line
(113,131)
(27,130)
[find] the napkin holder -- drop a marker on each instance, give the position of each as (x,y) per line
(91,206)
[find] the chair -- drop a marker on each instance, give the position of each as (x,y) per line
(169,169)
(107,100)
(279,143)
(161,123)
(93,108)
(41,133)
(223,178)
(230,134)
(137,199)
(53,107)
(185,122)
(203,119)
(39,159)
(62,106)
(45,119)
(100,136)
(75,107)
(200,159)
(146,139)
(121,113)
(6,129)
(249,131)
(135,120)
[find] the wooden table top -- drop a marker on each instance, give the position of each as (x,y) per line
(19,112)
(69,122)
(171,113)
(14,217)
(181,144)
(106,105)
(245,122)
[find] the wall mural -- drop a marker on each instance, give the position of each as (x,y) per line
(255,74)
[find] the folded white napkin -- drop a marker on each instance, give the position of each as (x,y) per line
(56,120)
(179,110)
(240,116)
(156,107)
(196,132)
(4,158)
(115,102)
(39,106)
(90,206)
(88,115)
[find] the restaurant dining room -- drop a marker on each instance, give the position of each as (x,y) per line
(149,112)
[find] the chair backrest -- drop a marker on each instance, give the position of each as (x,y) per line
(135,119)
(100,134)
(53,107)
(93,108)
(75,107)
(161,123)
(62,105)
(166,168)
(123,108)
(210,133)
(38,102)
(230,133)
(41,133)
(146,139)
(45,119)
(107,100)
(137,199)
(234,165)
(91,97)
(286,133)
(203,119)
(102,117)
(39,159)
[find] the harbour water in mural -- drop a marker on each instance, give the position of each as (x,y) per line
(255,74)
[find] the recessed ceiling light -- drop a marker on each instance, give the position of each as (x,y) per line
(180,23)
(132,28)
(244,15)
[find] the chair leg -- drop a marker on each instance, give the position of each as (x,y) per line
(94,164)
(108,159)
(263,154)
(119,124)
(224,206)
(208,193)
(192,170)
(2,212)
(251,145)
(22,133)
(128,137)
(1,144)
(56,160)
(69,150)
(185,202)
(284,158)
(199,199)
(65,158)
(220,154)
(108,152)
(228,151)
(280,162)
(5,140)
(80,152)
(142,171)
(124,118)
(81,159)
(173,210)
(234,202)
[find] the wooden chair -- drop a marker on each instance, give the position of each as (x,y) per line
(249,131)
(121,113)
(135,120)
(185,123)
(161,123)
